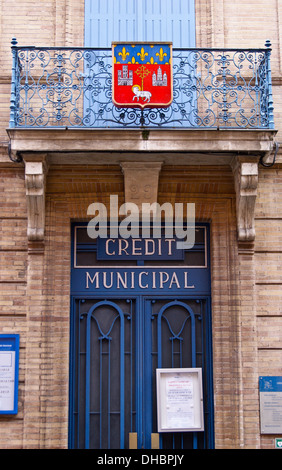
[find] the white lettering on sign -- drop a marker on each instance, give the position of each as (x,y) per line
(121,246)
(133,279)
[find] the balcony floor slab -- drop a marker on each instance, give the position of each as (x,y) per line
(193,146)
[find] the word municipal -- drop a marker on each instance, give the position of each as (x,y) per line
(128,221)
(142,280)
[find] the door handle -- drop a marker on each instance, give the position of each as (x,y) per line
(133,440)
(155,440)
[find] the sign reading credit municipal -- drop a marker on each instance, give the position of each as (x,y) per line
(142,75)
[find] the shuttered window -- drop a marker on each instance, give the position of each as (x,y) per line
(139,20)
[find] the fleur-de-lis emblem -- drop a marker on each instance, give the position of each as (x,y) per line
(142,54)
(161,54)
(123,53)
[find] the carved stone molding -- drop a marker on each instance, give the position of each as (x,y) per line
(141,180)
(245,172)
(35,181)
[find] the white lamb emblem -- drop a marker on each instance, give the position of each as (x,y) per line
(146,95)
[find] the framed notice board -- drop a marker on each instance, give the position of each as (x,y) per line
(9,373)
(270,394)
(180,400)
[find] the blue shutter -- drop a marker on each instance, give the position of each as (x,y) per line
(180,23)
(110,20)
(139,20)
(169,20)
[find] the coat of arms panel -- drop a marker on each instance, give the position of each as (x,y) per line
(142,75)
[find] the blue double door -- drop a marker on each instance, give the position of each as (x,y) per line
(118,343)
(128,319)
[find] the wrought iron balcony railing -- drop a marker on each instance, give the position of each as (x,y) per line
(72,88)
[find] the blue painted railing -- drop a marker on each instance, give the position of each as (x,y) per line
(72,88)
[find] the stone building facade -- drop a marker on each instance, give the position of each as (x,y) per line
(49,177)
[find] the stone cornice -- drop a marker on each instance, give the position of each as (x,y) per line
(84,141)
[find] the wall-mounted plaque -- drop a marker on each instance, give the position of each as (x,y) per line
(270,393)
(9,370)
(180,400)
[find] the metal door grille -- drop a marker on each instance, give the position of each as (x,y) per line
(118,344)
(104,374)
(180,338)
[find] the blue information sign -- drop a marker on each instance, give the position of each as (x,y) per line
(9,372)
(270,384)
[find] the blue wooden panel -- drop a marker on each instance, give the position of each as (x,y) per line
(125,24)
(180,22)
(139,20)
(111,20)
(169,20)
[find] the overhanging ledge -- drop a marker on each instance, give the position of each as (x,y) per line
(82,141)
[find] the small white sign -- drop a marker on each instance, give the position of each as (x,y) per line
(180,400)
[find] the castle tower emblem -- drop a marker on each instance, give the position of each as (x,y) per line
(125,77)
(159,79)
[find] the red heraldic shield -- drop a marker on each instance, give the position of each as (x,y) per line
(142,75)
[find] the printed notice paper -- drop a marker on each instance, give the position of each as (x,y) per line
(180,401)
